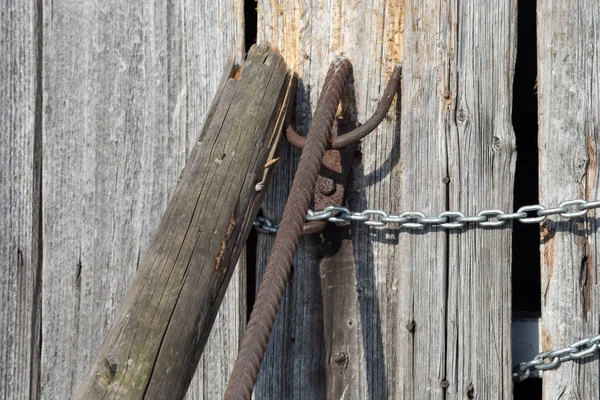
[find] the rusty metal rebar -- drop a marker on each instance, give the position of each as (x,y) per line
(279,266)
(373,122)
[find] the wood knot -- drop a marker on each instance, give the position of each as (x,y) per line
(496,143)
(470,391)
(461,116)
(110,371)
(262,48)
(340,360)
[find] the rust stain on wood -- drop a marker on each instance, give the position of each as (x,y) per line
(287,19)
(224,243)
(592,168)
(585,280)
(394,31)
(238,73)
(548,254)
(588,265)
(546,340)
(336,40)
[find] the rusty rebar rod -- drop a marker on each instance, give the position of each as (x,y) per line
(279,266)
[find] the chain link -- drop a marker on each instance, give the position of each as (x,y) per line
(553,358)
(531,214)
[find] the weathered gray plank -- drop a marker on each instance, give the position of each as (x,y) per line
(428,307)
(569,110)
(127,86)
(481,165)
(19,200)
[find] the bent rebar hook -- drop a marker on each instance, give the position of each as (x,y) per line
(373,122)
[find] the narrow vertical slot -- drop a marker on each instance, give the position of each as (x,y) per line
(250,31)
(37,231)
(526,254)
(251,288)
(250,23)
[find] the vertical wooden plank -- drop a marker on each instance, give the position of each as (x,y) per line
(19,199)
(423,259)
(481,167)
(310,34)
(569,110)
(431,312)
(126,89)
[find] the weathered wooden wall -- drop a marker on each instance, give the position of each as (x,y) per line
(123,91)
(569,130)
(429,314)
(100,103)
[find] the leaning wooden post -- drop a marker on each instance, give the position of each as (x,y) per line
(153,346)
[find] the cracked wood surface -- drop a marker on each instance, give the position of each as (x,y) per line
(569,112)
(426,316)
(153,347)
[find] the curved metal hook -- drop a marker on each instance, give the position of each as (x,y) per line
(373,122)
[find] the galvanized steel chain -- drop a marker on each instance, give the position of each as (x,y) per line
(553,358)
(493,218)
(456,220)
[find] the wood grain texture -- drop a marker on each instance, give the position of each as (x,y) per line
(127,86)
(19,200)
(481,166)
(569,112)
(429,307)
(154,345)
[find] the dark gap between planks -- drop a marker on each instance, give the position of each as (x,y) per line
(525,247)
(250,23)
(250,32)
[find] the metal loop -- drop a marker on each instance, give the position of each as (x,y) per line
(414,216)
(532,220)
(549,365)
(394,219)
(593,340)
(578,211)
(491,213)
(586,351)
(530,364)
(452,219)
(511,216)
(432,220)
(376,221)
(357,216)
(590,205)
(318,215)
(552,211)
(561,352)
(473,219)
(520,376)
(264,225)
(342,211)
